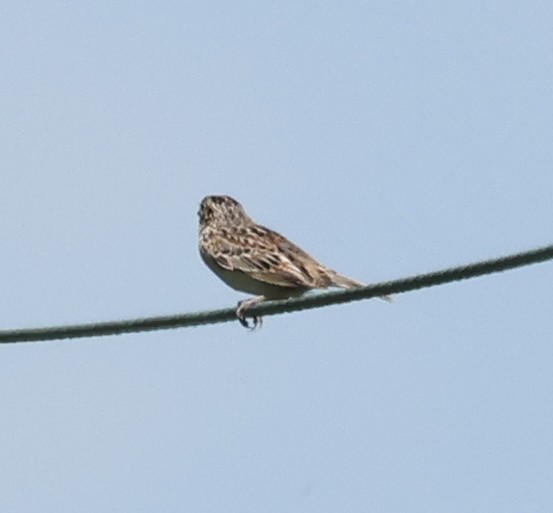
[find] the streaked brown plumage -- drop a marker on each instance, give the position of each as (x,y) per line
(254,259)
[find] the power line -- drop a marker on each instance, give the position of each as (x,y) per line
(416,282)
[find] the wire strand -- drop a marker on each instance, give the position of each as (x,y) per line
(402,285)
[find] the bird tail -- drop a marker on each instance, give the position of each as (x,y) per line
(348,283)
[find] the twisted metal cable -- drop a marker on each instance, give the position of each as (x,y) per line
(416,282)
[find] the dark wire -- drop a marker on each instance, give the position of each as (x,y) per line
(277,307)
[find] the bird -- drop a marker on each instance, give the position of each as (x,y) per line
(256,260)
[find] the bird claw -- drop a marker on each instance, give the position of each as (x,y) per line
(257,321)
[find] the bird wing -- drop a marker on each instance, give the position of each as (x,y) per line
(271,258)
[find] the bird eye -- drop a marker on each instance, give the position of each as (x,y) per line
(204,211)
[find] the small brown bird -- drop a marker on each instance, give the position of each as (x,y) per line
(254,259)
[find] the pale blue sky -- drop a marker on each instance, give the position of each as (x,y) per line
(386,138)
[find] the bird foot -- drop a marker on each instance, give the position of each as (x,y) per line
(257,321)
